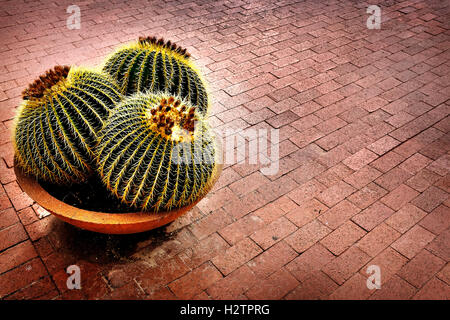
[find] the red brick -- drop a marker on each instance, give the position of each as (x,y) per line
(389,261)
(16,255)
(241,228)
(205,250)
(415,163)
(21,201)
(272,260)
(413,241)
(42,289)
(317,286)
(43,247)
(354,288)
(309,262)
(422,180)
(57,262)
(440,166)
(399,197)
(40,212)
(210,224)
(40,228)
(249,183)
(378,239)
(387,161)
(334,175)
(345,265)
(284,203)
(306,108)
(201,296)
(362,177)
(233,285)
(339,214)
(383,145)
(443,183)
(278,188)
(4,200)
(8,217)
(400,119)
(360,159)
(438,220)
(20,277)
(306,191)
(212,202)
(307,236)
(367,195)
(405,218)
(307,171)
(334,156)
(329,98)
(343,237)
(302,139)
(331,125)
(394,289)
(408,148)
(393,179)
(435,289)
(430,199)
(237,255)
(439,246)
(421,268)
(131,291)
(118,278)
(372,216)
(27,216)
(270,212)
(306,122)
(194,282)
(6,174)
(238,208)
(282,119)
(12,235)
(274,232)
(162,274)
(444,274)
(274,287)
(335,193)
(306,212)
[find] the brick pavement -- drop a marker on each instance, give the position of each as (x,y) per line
(364,145)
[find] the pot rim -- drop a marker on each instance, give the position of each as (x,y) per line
(102,222)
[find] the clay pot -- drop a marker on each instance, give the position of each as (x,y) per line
(109,223)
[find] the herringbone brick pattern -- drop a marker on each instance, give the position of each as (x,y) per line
(364,144)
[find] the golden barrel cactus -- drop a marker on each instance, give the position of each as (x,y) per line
(156,152)
(58,121)
(156,65)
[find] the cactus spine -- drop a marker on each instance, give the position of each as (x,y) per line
(58,122)
(152,157)
(156,65)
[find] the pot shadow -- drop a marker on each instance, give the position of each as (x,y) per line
(102,248)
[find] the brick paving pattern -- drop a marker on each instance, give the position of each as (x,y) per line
(364,144)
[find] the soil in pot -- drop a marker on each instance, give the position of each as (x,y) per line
(90,195)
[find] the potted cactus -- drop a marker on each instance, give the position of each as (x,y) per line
(131,142)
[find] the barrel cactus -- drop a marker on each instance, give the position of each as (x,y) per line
(156,65)
(58,122)
(156,152)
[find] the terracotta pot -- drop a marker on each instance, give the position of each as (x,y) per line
(110,223)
